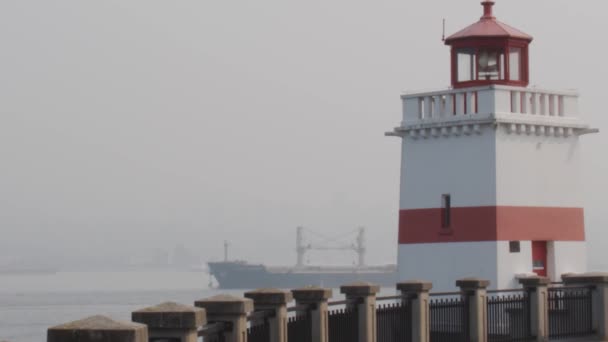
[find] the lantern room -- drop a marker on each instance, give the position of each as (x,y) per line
(489,52)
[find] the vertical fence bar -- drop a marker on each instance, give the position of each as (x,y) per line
(299,328)
(598,285)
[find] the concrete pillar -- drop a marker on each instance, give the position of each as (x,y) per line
(273,300)
(313,300)
(98,328)
(474,292)
(416,295)
(599,284)
(172,320)
(228,309)
(362,297)
(537,290)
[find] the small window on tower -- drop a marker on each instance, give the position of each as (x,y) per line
(446,210)
(514,247)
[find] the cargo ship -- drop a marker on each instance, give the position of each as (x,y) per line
(242,275)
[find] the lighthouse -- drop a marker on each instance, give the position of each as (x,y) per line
(490,168)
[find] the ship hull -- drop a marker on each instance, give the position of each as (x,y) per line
(234,275)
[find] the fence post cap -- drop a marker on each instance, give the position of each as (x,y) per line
(98,328)
(225,304)
(472,283)
(590,278)
(311,294)
(360,289)
(414,286)
(269,296)
(170,315)
(532,281)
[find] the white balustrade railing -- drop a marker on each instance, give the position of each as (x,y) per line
(489,100)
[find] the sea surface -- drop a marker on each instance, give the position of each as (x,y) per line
(31,303)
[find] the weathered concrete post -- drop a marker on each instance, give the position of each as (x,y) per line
(416,294)
(172,320)
(231,310)
(313,300)
(537,291)
(98,328)
(599,298)
(362,297)
(275,301)
(474,292)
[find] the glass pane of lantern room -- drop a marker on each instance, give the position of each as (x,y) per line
(515,64)
(466,65)
(488,64)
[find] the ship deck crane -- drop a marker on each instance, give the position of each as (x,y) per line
(358,247)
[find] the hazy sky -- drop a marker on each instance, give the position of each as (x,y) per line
(132,124)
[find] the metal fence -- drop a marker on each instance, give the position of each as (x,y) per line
(259,327)
(299,328)
(343,325)
(508,316)
(394,322)
(214,332)
(570,312)
(449,319)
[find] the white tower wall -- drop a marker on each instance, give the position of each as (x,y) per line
(510,162)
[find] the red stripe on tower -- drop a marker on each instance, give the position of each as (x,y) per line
(492,223)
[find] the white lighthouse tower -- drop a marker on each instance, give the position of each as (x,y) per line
(490,168)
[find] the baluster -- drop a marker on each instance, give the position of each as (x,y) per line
(524,102)
(428,107)
(449,104)
(460,103)
(515,99)
(533,103)
(543,104)
(470,102)
(439,106)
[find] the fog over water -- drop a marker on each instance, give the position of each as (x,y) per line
(130,127)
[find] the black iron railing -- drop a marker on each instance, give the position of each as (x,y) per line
(394,322)
(343,325)
(449,318)
(508,316)
(570,312)
(299,328)
(259,326)
(214,332)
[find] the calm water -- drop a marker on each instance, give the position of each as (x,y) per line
(29,304)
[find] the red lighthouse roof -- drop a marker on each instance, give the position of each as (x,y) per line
(488,27)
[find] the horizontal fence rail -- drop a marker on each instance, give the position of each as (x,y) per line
(259,329)
(570,312)
(394,322)
(449,319)
(508,316)
(214,332)
(343,325)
